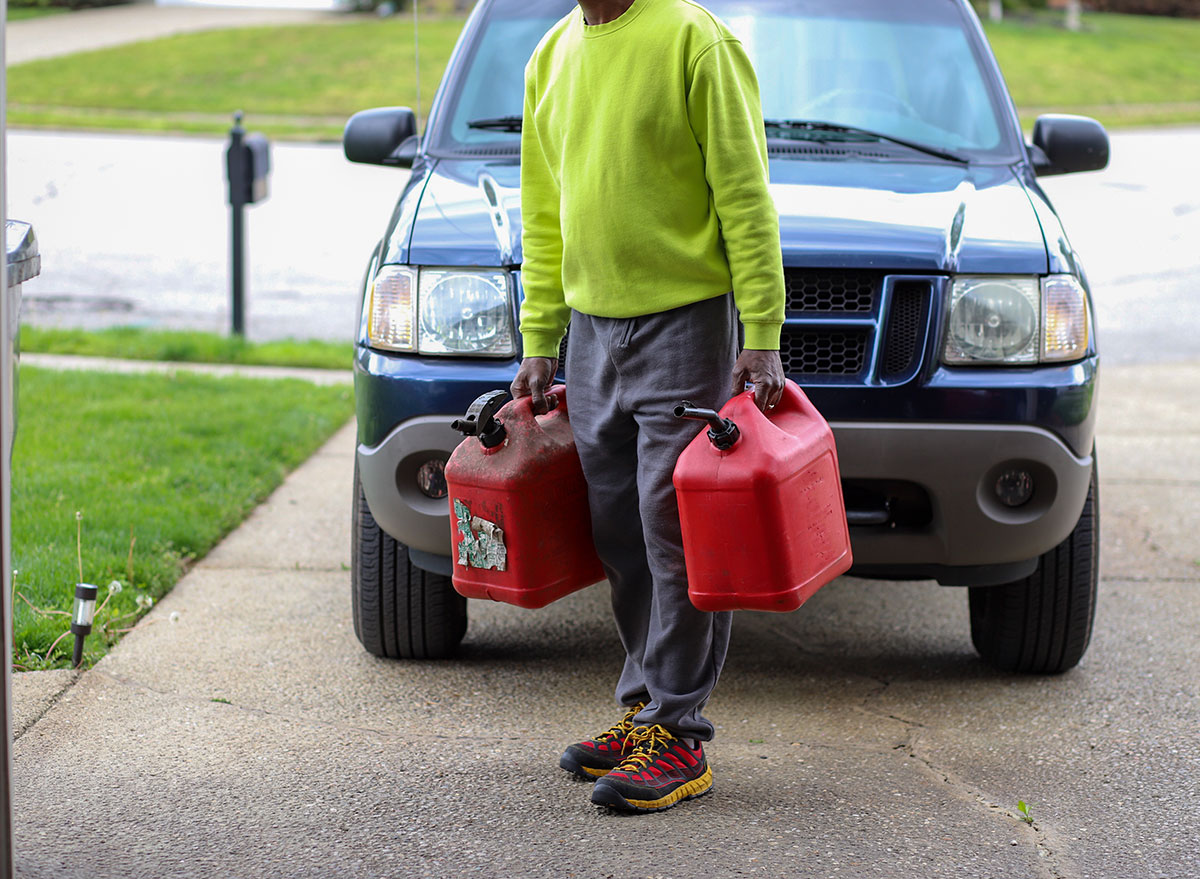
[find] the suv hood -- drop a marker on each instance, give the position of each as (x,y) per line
(907,216)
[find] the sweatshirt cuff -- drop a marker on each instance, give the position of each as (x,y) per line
(762,335)
(538,343)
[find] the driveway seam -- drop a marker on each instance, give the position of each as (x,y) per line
(1050,863)
(54,700)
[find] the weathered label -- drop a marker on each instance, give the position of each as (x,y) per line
(482,544)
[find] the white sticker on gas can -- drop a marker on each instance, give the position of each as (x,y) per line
(482,544)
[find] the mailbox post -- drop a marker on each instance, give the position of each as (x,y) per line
(247,167)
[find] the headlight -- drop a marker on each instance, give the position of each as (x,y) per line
(441,311)
(1016,320)
(465,313)
(993,320)
(392,307)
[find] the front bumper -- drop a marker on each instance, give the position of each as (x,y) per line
(956,466)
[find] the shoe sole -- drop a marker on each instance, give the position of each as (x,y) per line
(576,768)
(605,795)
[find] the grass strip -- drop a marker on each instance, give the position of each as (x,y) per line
(21,13)
(161,467)
(185,346)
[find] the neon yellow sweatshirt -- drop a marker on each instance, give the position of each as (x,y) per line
(644,175)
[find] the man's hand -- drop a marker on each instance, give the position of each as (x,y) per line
(765,370)
(534,378)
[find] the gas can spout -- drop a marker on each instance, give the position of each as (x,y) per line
(722,432)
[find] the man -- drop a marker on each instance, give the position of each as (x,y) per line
(646,219)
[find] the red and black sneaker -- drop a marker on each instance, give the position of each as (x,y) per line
(660,771)
(598,756)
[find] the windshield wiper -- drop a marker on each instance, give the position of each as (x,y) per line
(499,123)
(804,125)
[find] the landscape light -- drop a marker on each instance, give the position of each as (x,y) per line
(81,618)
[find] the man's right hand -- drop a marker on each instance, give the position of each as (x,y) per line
(534,378)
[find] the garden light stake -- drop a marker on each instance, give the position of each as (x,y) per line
(81,618)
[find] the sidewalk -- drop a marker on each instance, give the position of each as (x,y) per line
(251,736)
(54,35)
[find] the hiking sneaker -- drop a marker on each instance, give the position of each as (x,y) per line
(599,756)
(660,771)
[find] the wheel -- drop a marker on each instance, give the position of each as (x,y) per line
(1043,623)
(400,610)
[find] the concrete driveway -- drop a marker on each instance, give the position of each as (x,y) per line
(859,736)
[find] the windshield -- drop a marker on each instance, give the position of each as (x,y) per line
(908,70)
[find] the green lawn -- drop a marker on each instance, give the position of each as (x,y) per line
(303,81)
(1122,69)
(138,343)
(160,467)
(299,81)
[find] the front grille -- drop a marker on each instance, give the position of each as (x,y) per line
(904,322)
(808,352)
(826,292)
(824,347)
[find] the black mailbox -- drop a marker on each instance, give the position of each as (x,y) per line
(247,166)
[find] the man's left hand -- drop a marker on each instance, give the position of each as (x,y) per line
(765,370)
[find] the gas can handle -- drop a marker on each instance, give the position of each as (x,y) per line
(480,420)
(522,407)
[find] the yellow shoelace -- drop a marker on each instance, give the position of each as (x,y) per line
(647,742)
(622,727)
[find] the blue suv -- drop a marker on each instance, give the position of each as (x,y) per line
(936,312)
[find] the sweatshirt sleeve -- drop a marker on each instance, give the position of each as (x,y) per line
(544,313)
(726,116)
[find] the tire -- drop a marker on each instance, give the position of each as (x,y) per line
(400,610)
(1043,623)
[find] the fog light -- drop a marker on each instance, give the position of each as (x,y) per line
(1014,487)
(431,479)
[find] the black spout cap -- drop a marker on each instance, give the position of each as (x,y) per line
(722,432)
(480,420)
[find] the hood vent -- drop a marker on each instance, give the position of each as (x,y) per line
(493,150)
(777,147)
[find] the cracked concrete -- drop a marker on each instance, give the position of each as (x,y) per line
(252,736)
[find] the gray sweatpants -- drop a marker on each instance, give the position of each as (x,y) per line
(624,376)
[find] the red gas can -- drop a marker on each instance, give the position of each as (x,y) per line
(764,523)
(518,504)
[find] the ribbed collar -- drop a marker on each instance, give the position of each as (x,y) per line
(600,30)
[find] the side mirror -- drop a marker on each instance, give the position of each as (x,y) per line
(373,137)
(1064,144)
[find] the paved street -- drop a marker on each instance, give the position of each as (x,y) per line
(859,736)
(134,230)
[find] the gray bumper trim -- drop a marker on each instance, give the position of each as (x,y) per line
(958,466)
(388,472)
